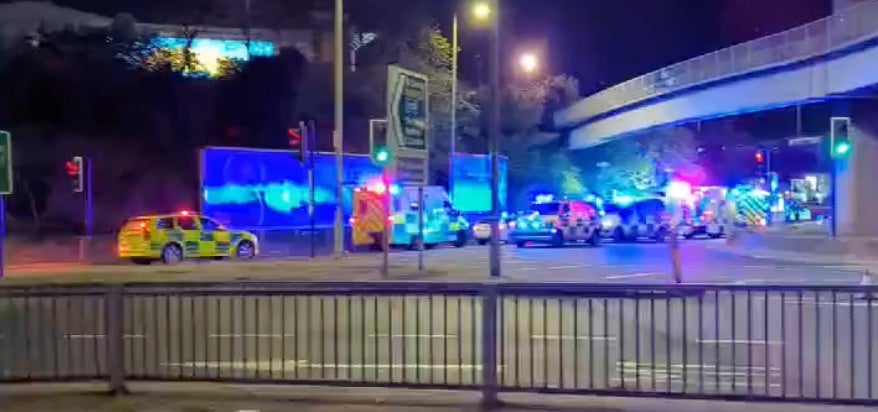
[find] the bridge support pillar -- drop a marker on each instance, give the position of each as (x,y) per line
(856,176)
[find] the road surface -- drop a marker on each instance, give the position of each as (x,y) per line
(743,343)
(703,261)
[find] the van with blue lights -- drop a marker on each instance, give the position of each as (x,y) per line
(629,221)
(378,203)
(557,222)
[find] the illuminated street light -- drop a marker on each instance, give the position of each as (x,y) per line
(481,10)
(529,62)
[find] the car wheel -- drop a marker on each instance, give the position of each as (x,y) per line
(595,239)
(521,244)
(715,235)
(558,239)
(619,235)
(378,242)
(483,242)
(461,239)
(172,254)
(141,261)
(689,236)
(245,250)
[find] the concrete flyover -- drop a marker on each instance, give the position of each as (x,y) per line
(822,59)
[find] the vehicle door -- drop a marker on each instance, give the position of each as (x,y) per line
(190,227)
(215,239)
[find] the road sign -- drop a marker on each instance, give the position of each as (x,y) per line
(5,163)
(408,125)
(410,171)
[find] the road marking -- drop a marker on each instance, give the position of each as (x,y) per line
(250,335)
(412,336)
(564,267)
(635,275)
(707,367)
(291,364)
(738,342)
(99,336)
(571,337)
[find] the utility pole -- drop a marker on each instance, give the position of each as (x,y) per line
(338,133)
(494,137)
(452,150)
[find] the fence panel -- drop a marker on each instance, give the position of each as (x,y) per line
(800,343)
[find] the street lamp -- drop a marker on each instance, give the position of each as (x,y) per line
(481,11)
(529,62)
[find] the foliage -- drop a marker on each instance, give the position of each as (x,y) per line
(642,164)
(85,93)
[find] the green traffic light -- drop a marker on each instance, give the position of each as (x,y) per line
(842,148)
(381,156)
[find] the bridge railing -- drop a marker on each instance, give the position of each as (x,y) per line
(843,29)
(795,343)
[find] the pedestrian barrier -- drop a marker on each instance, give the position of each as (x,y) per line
(785,343)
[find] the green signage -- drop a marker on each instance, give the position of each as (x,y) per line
(5,163)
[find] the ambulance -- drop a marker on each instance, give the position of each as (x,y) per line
(557,222)
(377,204)
(708,214)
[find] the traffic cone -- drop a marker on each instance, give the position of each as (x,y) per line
(867,282)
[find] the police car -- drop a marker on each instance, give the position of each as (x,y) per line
(556,223)
(482,230)
(172,238)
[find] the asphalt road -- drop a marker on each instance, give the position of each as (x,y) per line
(702,261)
(739,343)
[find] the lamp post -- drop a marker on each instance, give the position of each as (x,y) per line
(338,136)
(481,11)
(494,137)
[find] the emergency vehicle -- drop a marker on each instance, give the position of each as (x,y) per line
(556,223)
(442,224)
(708,213)
(172,238)
(644,218)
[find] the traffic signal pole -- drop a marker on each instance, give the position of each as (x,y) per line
(88,207)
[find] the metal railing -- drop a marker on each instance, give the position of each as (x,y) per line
(843,29)
(797,343)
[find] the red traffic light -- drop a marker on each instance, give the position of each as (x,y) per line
(295,137)
(760,157)
(72,168)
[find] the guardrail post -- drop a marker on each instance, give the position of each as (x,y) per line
(489,346)
(115,361)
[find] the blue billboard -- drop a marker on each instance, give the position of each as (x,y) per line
(471,191)
(268,189)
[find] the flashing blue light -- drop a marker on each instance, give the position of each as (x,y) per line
(394,189)
(544,198)
(623,200)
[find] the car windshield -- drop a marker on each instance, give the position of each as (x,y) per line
(547,208)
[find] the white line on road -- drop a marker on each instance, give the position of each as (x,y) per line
(738,342)
(250,335)
(412,336)
(635,275)
(706,366)
(282,365)
(571,337)
(564,267)
(99,336)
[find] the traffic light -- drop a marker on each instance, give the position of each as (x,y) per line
(839,136)
(74,169)
(381,156)
(760,157)
(379,150)
(298,141)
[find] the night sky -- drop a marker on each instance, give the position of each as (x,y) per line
(601,42)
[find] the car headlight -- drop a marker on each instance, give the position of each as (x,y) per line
(607,223)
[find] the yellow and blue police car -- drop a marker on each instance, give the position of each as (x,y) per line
(171,238)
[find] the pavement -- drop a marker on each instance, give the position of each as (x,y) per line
(235,398)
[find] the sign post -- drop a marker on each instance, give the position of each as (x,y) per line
(5,189)
(408,136)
